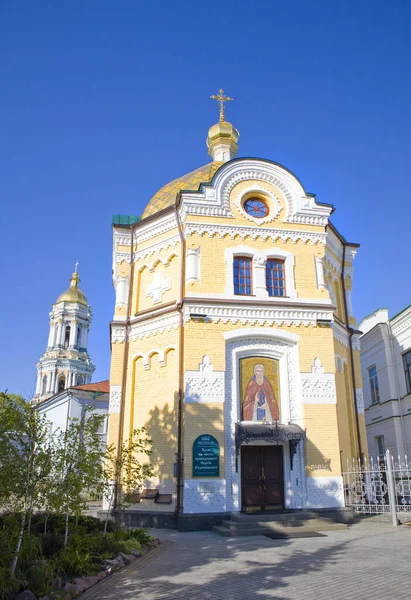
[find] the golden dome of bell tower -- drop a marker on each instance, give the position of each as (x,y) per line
(223,136)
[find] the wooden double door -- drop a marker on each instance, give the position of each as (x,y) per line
(262,479)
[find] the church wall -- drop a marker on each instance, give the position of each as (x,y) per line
(202,419)
(151,402)
(156,283)
(322,452)
(213,267)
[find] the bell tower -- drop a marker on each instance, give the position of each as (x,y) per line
(66,362)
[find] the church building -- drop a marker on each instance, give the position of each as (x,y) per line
(234,344)
(65,362)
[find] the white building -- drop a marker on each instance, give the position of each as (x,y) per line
(71,404)
(386,373)
(66,362)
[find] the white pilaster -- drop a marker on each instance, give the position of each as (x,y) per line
(38,383)
(59,333)
(319,269)
(73,333)
(86,331)
(260,283)
(122,284)
(349,304)
(193,265)
(53,382)
(51,335)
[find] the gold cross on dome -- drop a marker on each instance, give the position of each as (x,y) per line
(75,266)
(220,98)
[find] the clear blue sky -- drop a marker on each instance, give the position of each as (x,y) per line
(103,102)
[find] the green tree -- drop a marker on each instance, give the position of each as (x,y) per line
(124,472)
(26,458)
(78,465)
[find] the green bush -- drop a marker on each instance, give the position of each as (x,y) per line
(51,543)
(72,562)
(40,577)
(139,535)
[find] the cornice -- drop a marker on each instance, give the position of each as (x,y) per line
(230,313)
(244,231)
(146,328)
(401,323)
(336,264)
(342,336)
(149,251)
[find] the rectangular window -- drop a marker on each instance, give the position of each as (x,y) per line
(407,368)
(275,277)
(242,276)
(375,392)
(380,446)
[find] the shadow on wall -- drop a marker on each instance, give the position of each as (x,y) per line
(162,428)
(162,425)
(315,459)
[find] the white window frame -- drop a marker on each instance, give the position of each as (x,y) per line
(374,399)
(259,261)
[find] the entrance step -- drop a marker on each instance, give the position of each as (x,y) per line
(295,525)
(274,516)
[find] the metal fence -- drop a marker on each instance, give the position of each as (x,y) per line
(377,487)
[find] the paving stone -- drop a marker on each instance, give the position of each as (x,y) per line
(368,561)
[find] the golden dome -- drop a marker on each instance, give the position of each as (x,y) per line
(166,196)
(73,294)
(222,130)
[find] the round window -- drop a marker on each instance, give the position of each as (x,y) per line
(256,207)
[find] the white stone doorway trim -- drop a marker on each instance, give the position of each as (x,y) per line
(283,346)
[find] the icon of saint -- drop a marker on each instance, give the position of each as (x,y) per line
(259,399)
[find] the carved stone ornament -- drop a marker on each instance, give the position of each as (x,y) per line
(115,399)
(204,385)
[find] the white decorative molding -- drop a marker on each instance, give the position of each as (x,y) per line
(205,366)
(244,231)
(146,328)
(360,400)
(204,385)
(247,333)
(317,368)
(228,313)
(115,399)
(340,363)
(401,324)
(259,190)
(204,496)
(286,352)
(214,200)
(145,252)
(299,204)
(158,287)
(325,492)
(342,336)
(192,265)
(146,356)
(318,388)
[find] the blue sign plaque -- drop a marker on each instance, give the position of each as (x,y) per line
(206,457)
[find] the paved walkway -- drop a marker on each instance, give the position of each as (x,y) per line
(367,562)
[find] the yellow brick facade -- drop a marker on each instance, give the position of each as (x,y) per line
(182,274)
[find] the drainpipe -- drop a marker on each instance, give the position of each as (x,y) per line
(180,457)
(125,361)
(397,387)
(351,333)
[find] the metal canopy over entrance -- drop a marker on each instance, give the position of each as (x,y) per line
(272,433)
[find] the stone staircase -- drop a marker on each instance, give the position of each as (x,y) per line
(285,524)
